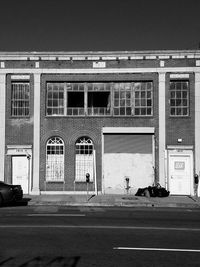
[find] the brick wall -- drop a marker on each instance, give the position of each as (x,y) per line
(71,128)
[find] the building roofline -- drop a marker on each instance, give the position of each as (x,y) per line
(85,53)
(98,55)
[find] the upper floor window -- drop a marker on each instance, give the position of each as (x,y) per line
(143,98)
(100,99)
(55,99)
(179,98)
(133,98)
(75,98)
(20,99)
(122,99)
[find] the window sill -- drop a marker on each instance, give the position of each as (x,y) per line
(81,182)
(19,117)
(60,182)
(99,116)
(179,117)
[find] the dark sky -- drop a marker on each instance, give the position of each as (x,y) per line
(99,25)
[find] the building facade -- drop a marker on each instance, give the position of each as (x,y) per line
(128,119)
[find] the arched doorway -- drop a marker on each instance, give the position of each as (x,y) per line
(55,159)
(84,161)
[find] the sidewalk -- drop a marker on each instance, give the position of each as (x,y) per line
(114,200)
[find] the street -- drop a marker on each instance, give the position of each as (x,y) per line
(96,236)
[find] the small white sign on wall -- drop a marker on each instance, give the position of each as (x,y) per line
(99,64)
(179,76)
(20,77)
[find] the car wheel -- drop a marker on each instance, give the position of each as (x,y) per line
(1,200)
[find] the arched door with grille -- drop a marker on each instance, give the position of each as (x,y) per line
(84,159)
(55,159)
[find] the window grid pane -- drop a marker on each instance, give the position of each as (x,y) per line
(20,99)
(179,98)
(55,99)
(143,101)
(122,99)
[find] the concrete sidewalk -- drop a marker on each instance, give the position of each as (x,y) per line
(113,200)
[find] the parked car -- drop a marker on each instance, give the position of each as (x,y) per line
(10,193)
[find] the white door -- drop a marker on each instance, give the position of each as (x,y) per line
(20,172)
(180,175)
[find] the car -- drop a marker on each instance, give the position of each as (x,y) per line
(10,193)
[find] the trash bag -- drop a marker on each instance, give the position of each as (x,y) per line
(153,191)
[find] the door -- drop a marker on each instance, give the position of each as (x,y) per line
(180,175)
(124,154)
(20,172)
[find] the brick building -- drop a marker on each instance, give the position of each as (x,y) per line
(126,118)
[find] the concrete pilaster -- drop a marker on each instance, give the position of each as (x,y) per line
(36,136)
(162,129)
(197,125)
(2,123)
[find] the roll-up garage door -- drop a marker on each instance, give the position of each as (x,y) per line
(127,155)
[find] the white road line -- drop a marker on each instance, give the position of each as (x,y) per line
(159,249)
(55,215)
(97,227)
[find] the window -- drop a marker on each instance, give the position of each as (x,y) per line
(55,99)
(75,98)
(122,99)
(100,99)
(179,98)
(84,159)
(143,98)
(75,103)
(133,98)
(20,99)
(98,103)
(55,160)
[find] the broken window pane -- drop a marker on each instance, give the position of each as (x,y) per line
(75,103)
(99,103)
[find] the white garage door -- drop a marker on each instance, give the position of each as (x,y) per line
(127,155)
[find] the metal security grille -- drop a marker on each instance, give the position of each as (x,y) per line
(128,143)
(20,99)
(55,160)
(84,159)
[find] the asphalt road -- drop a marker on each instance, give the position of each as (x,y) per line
(90,236)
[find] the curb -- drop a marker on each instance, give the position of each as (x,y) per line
(119,204)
